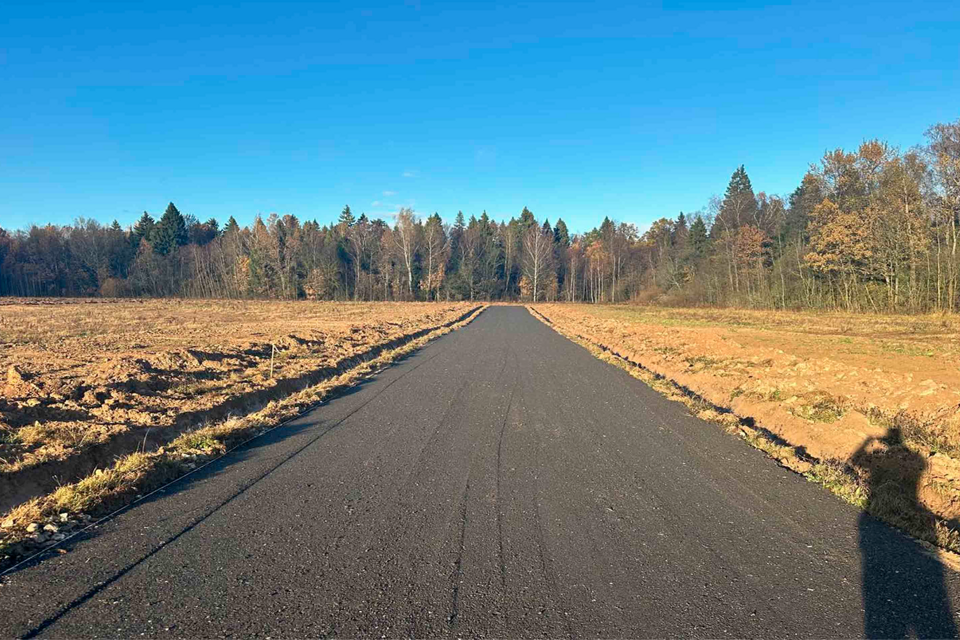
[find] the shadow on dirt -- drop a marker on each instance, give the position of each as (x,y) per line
(903,584)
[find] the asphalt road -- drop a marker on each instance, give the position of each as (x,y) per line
(499,482)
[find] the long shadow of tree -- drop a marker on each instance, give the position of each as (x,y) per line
(904,590)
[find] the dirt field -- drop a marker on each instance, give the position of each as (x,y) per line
(832,385)
(85,382)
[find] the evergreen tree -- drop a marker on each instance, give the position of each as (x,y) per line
(170,232)
(346,217)
(680,233)
(120,252)
(739,206)
(484,224)
(143,230)
(697,239)
(232,226)
(202,233)
(560,233)
(803,201)
(527,220)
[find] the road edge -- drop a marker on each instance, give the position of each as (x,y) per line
(826,474)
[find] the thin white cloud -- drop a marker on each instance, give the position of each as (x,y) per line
(411,173)
(375,203)
(389,193)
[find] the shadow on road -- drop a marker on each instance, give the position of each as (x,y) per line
(904,590)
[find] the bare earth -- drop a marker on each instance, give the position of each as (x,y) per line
(823,382)
(86,381)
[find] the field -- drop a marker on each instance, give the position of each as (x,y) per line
(825,388)
(87,382)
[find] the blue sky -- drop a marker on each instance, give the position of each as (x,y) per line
(576,110)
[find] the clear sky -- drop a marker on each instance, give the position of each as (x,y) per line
(576,110)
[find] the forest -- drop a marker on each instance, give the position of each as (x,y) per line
(871,229)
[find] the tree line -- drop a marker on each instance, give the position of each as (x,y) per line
(873,229)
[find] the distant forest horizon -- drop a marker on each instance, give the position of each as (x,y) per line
(871,229)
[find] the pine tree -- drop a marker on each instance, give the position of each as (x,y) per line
(143,230)
(739,206)
(484,223)
(527,220)
(606,227)
(232,226)
(802,201)
(680,232)
(560,233)
(170,232)
(697,239)
(346,217)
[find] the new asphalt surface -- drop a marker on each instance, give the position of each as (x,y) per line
(499,482)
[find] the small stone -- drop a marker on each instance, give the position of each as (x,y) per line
(7,524)
(52,528)
(59,536)
(32,527)
(64,517)
(14,377)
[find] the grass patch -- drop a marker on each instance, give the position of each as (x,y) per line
(929,435)
(704,362)
(819,407)
(201,440)
(841,480)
